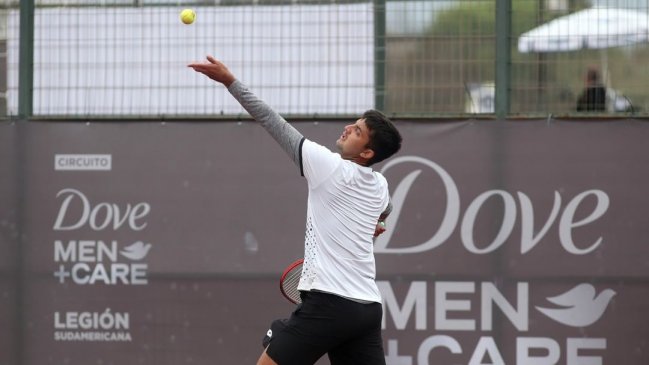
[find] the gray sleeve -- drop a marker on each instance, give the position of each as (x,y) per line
(285,134)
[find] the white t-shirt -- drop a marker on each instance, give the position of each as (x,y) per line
(344,204)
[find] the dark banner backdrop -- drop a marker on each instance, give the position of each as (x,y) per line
(9,238)
(517,242)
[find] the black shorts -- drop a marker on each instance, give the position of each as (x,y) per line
(349,332)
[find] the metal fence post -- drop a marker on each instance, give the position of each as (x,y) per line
(379,54)
(26,60)
(503,57)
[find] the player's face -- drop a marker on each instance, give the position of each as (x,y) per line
(354,140)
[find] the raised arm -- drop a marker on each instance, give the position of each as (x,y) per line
(285,134)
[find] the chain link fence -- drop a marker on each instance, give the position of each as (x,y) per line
(434,58)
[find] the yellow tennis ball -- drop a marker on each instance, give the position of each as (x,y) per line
(187,16)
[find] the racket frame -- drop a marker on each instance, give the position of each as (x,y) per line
(289,269)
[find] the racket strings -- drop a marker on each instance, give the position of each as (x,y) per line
(290,284)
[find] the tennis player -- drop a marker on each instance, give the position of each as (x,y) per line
(341,310)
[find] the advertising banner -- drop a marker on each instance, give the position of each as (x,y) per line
(510,242)
(9,237)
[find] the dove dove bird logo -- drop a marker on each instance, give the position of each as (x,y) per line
(136,251)
(579,306)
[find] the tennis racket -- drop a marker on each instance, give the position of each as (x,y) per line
(289,281)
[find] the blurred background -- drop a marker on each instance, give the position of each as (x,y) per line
(407,58)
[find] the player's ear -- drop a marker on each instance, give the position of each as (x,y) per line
(367,154)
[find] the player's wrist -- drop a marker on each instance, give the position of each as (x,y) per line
(228,80)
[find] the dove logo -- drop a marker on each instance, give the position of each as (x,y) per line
(136,251)
(77,211)
(87,262)
(453,217)
(469,306)
(580,306)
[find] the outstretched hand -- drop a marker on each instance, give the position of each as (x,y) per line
(215,70)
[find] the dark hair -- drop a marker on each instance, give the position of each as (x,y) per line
(385,139)
(592,75)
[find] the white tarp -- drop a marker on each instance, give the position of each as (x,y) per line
(593,28)
(302,59)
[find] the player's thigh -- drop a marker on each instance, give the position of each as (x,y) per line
(366,350)
(365,347)
(289,347)
(306,336)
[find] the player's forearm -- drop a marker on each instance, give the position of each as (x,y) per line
(285,134)
(386,212)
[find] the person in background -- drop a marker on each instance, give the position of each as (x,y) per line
(593,97)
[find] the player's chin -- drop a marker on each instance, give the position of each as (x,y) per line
(339,144)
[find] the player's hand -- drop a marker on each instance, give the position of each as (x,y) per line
(380,228)
(215,70)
